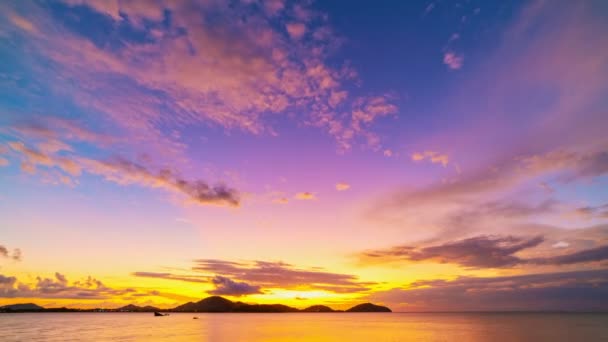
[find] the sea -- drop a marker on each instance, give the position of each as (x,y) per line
(254,327)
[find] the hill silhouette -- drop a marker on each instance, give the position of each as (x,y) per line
(318,308)
(21,307)
(135,308)
(368,307)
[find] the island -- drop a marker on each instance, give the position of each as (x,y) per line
(213,304)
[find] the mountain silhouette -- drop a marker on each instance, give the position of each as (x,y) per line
(209,304)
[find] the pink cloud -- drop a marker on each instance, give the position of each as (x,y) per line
(452,60)
(296,30)
(231,76)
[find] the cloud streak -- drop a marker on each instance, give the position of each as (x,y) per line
(125,172)
(242,278)
(484,252)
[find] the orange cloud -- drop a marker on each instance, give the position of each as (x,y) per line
(433,157)
(305,196)
(342,186)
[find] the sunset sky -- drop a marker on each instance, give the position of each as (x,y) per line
(424,155)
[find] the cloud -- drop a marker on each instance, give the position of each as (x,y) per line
(342,186)
(125,172)
(253,277)
(305,196)
(476,252)
(59,287)
(170,276)
(282,275)
(560,244)
(273,7)
(296,30)
(568,291)
(589,255)
(565,166)
(281,200)
(388,153)
(453,60)
(4,162)
(226,286)
(484,252)
(433,157)
(590,212)
(250,67)
(5,253)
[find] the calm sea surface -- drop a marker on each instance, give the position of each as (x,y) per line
(303,327)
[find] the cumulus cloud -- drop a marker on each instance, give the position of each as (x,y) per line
(305,196)
(226,286)
(342,186)
(578,291)
(432,156)
(58,286)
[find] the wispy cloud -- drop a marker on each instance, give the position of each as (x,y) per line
(125,172)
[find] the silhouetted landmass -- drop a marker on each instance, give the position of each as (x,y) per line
(21,307)
(135,308)
(318,308)
(220,304)
(209,304)
(368,307)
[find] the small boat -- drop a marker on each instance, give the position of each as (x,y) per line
(194,317)
(158,314)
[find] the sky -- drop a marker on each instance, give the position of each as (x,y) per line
(424,155)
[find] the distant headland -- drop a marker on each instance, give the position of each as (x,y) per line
(210,304)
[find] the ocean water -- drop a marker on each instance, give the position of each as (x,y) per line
(304,327)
